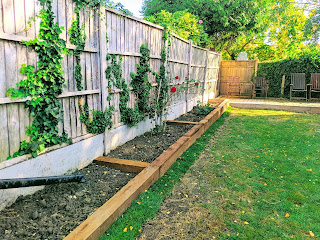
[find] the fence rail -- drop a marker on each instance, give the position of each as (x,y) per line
(125,36)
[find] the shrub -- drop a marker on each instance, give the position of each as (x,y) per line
(308,62)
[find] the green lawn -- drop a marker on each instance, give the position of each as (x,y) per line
(258,178)
(263,180)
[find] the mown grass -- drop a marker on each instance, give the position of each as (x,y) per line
(128,225)
(263,179)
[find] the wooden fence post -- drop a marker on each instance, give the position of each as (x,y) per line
(282,84)
(103,54)
(103,64)
(204,87)
(189,73)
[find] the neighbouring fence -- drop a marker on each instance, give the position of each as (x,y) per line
(241,71)
(125,35)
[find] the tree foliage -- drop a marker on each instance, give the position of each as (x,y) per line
(223,20)
(182,23)
(266,29)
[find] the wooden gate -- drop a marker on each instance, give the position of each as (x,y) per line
(236,77)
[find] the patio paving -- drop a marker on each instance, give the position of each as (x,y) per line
(273,103)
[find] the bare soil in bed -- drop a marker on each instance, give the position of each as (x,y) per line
(52,213)
(148,147)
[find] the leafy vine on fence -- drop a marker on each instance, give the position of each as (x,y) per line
(114,74)
(140,83)
(100,120)
(43,86)
(77,38)
(162,81)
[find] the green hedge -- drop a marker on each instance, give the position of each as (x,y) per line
(308,62)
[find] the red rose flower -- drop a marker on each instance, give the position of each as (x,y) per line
(196,83)
(173,89)
(176,77)
(182,82)
(178,83)
(186,77)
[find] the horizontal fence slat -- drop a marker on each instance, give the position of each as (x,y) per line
(19,38)
(64,95)
(177,61)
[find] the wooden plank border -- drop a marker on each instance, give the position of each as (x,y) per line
(96,224)
(174,122)
(122,164)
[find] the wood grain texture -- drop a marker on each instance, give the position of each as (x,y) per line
(122,164)
(3,85)
(4,137)
(175,122)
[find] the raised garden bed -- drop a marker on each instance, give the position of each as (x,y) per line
(55,211)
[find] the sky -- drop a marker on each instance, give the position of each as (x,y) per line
(133,6)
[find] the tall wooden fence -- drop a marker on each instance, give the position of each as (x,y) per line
(125,35)
(242,71)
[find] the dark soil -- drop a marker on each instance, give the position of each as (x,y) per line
(191,117)
(52,213)
(148,147)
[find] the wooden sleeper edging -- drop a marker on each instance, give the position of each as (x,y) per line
(96,224)
(122,164)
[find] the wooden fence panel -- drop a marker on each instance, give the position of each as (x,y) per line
(244,70)
(212,78)
(125,36)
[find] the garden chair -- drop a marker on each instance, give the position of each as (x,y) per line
(260,84)
(314,84)
(298,84)
(234,86)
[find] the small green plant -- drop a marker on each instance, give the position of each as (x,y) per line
(202,109)
(100,120)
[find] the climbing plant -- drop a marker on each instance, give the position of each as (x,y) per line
(100,120)
(114,75)
(162,86)
(77,38)
(94,4)
(43,85)
(140,83)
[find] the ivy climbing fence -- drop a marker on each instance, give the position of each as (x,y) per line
(107,32)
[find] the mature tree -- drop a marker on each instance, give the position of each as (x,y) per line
(224,21)
(278,26)
(182,23)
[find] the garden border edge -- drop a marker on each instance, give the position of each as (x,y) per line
(96,224)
